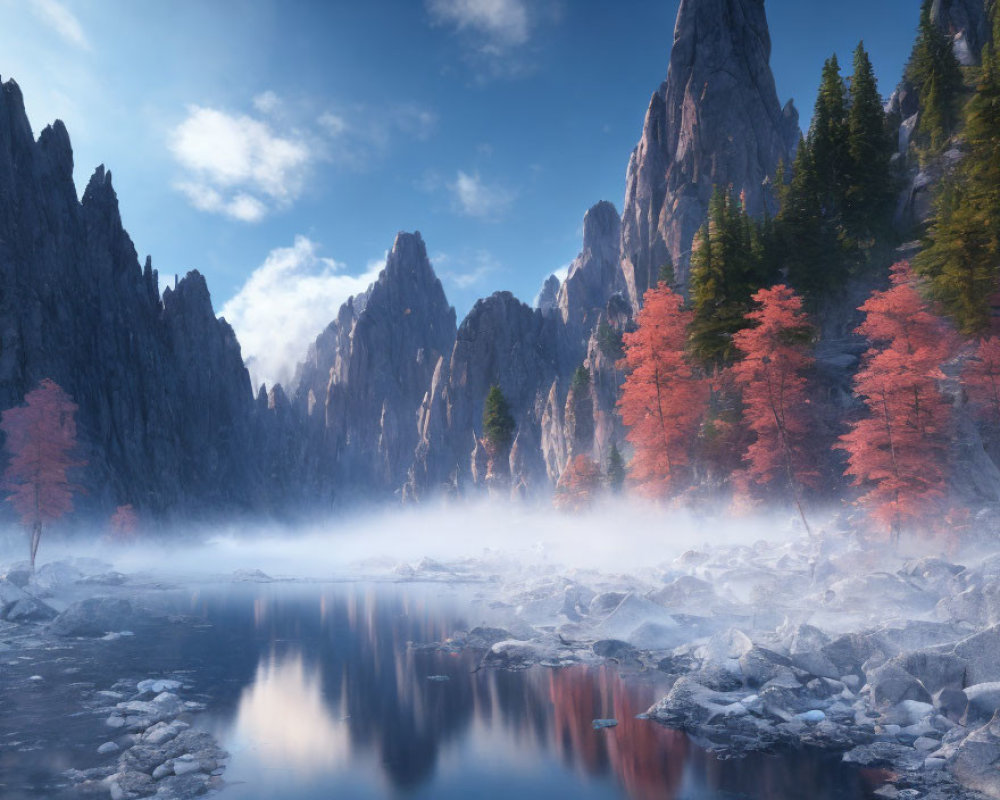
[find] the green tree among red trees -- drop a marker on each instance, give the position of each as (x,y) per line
(664,397)
(40,440)
(770,376)
(898,451)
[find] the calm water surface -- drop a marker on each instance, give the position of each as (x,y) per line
(316,693)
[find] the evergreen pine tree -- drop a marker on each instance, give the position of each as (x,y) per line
(962,255)
(870,191)
(616,470)
(727,266)
(935,73)
(498,424)
(828,138)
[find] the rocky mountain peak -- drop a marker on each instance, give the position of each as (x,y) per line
(189,297)
(715,121)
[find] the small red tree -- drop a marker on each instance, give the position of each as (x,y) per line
(579,483)
(899,449)
(124,524)
(663,398)
(982,380)
(40,437)
(775,403)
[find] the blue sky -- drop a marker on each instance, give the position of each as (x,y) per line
(279,147)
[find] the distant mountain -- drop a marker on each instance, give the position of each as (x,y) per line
(166,408)
(388,400)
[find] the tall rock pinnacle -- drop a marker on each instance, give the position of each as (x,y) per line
(716,120)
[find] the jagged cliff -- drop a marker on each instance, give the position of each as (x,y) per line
(716,120)
(366,375)
(165,404)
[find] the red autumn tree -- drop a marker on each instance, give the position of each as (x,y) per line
(899,450)
(664,397)
(124,524)
(982,380)
(579,483)
(776,353)
(40,438)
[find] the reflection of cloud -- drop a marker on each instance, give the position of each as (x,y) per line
(282,717)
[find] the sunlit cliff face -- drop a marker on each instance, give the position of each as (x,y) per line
(283,717)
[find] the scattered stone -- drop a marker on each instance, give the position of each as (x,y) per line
(438,678)
(251,576)
(891,684)
(108,747)
(94,616)
(601,724)
(157,685)
(984,701)
(982,652)
(977,759)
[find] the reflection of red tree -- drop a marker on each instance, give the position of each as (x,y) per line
(647,758)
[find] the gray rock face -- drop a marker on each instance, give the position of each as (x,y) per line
(366,375)
(977,761)
(593,276)
(504,342)
(165,408)
(716,120)
(967,23)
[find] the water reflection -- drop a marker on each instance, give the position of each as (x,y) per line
(283,716)
(339,700)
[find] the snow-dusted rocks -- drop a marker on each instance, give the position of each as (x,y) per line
(95,616)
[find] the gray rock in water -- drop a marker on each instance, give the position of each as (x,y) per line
(891,684)
(28,609)
(760,665)
(934,670)
(95,616)
(977,760)
(615,649)
(984,703)
(482,637)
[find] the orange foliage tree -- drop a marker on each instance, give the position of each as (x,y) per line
(982,380)
(664,397)
(579,483)
(776,352)
(124,523)
(40,437)
(899,449)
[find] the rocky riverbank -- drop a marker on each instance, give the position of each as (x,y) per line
(821,642)
(126,737)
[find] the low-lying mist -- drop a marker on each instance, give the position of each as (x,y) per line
(615,536)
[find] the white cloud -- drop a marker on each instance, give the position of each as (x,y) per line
(359,136)
(62,21)
(467,270)
(286,303)
(473,198)
(267,102)
(333,124)
(237,165)
(496,36)
(502,23)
